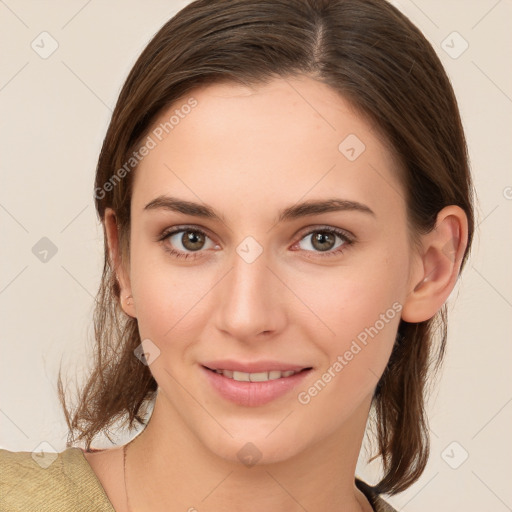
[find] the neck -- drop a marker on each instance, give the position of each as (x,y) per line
(167,468)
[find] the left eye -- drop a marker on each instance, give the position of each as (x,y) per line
(323,240)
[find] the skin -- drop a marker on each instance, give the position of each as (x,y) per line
(249,153)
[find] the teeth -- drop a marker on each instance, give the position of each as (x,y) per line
(255,377)
(258,377)
(241,376)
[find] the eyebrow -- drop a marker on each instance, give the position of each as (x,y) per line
(296,211)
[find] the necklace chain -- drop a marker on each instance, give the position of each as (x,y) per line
(125,448)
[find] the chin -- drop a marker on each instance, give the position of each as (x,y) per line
(257,449)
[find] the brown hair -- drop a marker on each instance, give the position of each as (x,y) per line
(374,57)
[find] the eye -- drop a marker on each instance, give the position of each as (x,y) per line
(323,240)
(187,240)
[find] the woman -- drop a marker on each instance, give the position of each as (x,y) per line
(287,205)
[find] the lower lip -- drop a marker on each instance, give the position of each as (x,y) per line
(252,394)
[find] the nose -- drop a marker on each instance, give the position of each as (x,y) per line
(251,299)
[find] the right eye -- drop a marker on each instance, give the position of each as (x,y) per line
(191,240)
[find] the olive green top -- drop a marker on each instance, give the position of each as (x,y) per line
(64,482)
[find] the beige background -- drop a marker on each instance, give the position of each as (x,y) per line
(55,112)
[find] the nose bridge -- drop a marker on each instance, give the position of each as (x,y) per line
(248,305)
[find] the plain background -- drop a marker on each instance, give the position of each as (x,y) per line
(55,112)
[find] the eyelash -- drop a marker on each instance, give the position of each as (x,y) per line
(327,229)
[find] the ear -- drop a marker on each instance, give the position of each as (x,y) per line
(437,267)
(118,264)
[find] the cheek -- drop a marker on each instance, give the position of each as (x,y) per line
(359,309)
(349,299)
(169,304)
(166,305)
(364,316)
(365,326)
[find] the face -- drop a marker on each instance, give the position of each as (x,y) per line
(296,258)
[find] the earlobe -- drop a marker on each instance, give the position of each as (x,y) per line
(116,261)
(128,305)
(438,266)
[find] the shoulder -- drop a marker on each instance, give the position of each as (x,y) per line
(378,504)
(49,482)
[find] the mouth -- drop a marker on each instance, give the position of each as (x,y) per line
(263,376)
(261,384)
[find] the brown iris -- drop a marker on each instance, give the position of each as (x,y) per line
(192,240)
(324,240)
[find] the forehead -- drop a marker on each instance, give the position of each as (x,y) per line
(265,144)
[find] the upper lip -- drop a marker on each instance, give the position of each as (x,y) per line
(253,366)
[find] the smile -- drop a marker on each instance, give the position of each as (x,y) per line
(257,377)
(256,388)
